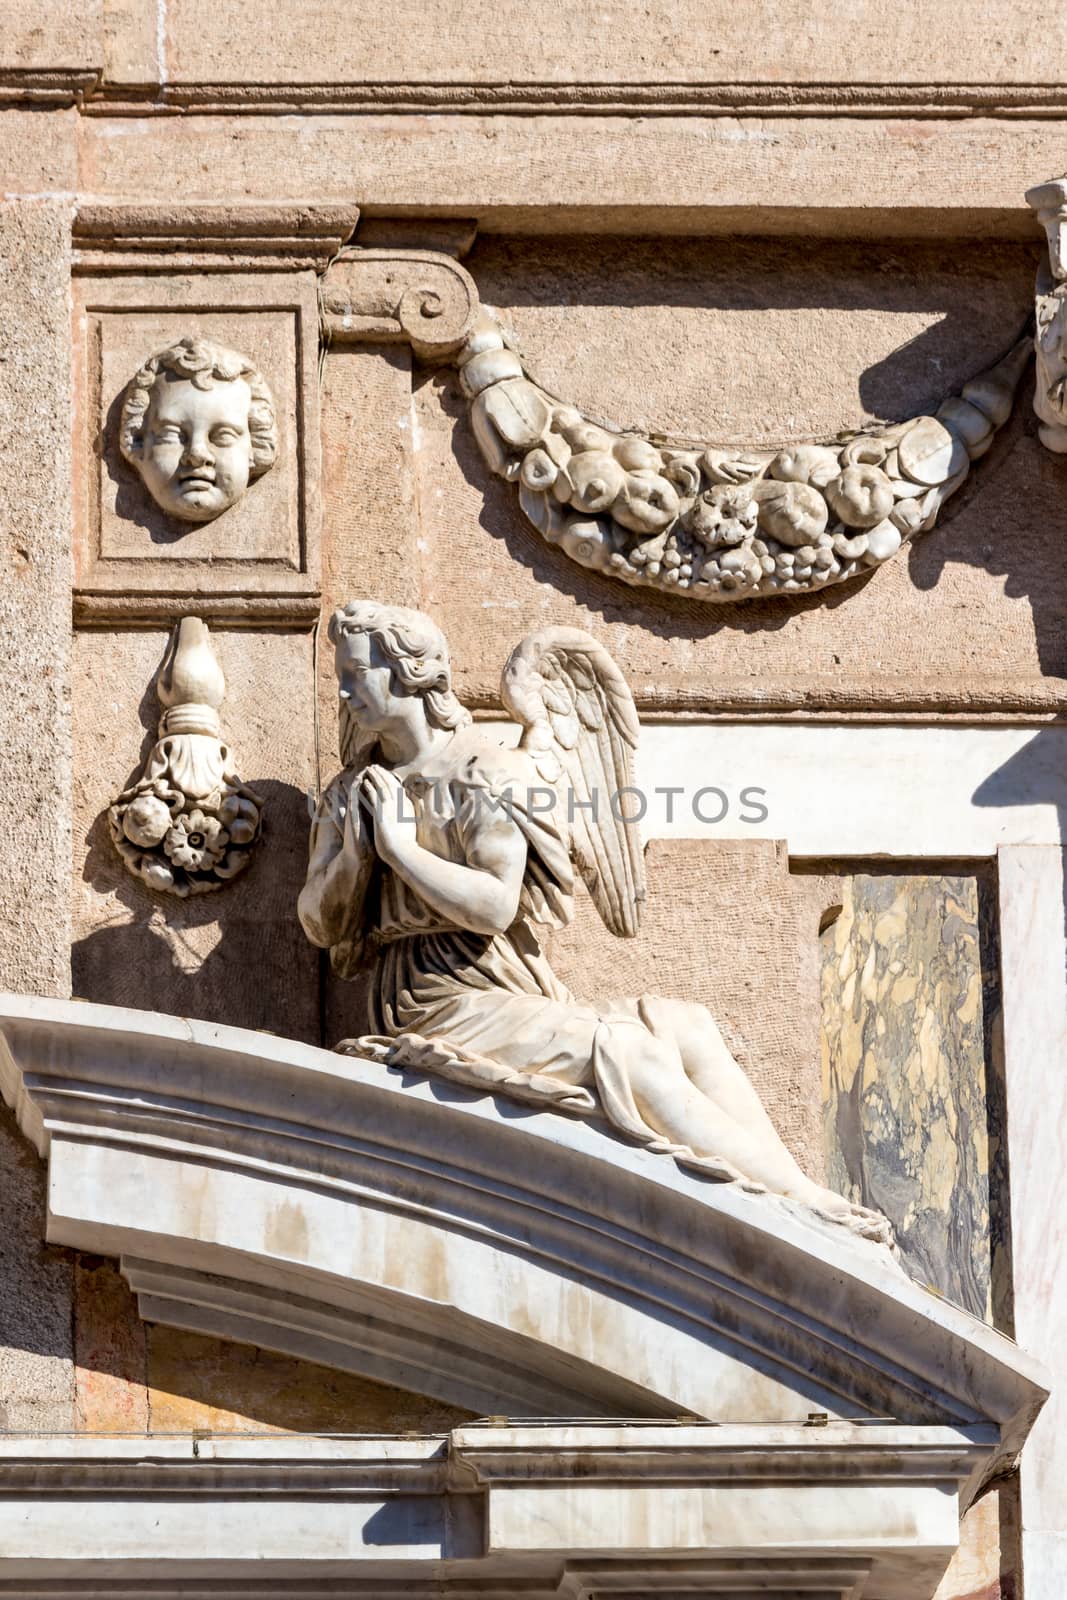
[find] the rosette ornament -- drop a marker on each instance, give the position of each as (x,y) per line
(719,523)
(188,824)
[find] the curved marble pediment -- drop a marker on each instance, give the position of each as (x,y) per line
(510,1261)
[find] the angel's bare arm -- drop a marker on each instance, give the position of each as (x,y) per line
(340,858)
(481,894)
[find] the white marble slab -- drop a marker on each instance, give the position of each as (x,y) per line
(853,789)
(1033,967)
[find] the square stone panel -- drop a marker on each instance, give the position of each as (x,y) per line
(259,559)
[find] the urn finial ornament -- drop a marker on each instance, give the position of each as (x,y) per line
(188,824)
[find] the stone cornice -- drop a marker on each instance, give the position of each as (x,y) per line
(48,86)
(202,1465)
(494,1455)
(235,236)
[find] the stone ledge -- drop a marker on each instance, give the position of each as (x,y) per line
(488,1512)
(178,238)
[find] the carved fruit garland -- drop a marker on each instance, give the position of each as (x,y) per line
(188,824)
(719,523)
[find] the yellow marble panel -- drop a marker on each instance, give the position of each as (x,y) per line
(910,1000)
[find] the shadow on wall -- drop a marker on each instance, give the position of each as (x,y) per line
(1033,776)
(1010,520)
(237,955)
(768,275)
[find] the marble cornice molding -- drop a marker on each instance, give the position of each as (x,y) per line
(492,1455)
(511,1262)
(489,1512)
(238,236)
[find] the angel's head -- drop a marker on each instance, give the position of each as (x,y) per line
(198,424)
(385,658)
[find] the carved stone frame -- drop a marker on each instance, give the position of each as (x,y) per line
(280,585)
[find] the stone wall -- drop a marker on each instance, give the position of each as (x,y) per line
(35,562)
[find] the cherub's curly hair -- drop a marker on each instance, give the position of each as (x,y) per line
(415,648)
(204,364)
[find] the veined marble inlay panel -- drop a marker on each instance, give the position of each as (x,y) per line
(910,990)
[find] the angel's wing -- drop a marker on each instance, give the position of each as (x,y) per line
(580,727)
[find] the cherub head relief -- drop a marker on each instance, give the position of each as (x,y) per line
(198,425)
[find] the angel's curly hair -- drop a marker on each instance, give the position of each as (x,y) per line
(416,650)
(204,363)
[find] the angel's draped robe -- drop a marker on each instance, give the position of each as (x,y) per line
(495,996)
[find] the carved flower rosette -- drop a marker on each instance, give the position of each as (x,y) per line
(722,523)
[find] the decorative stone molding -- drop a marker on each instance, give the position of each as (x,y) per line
(512,1262)
(209,238)
(188,825)
(511,98)
(391,295)
(723,523)
(47,86)
(490,1512)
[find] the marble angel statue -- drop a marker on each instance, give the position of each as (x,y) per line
(435,859)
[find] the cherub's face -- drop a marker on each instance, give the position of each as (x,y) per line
(365,682)
(196,454)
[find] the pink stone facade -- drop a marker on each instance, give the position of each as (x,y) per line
(778,229)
